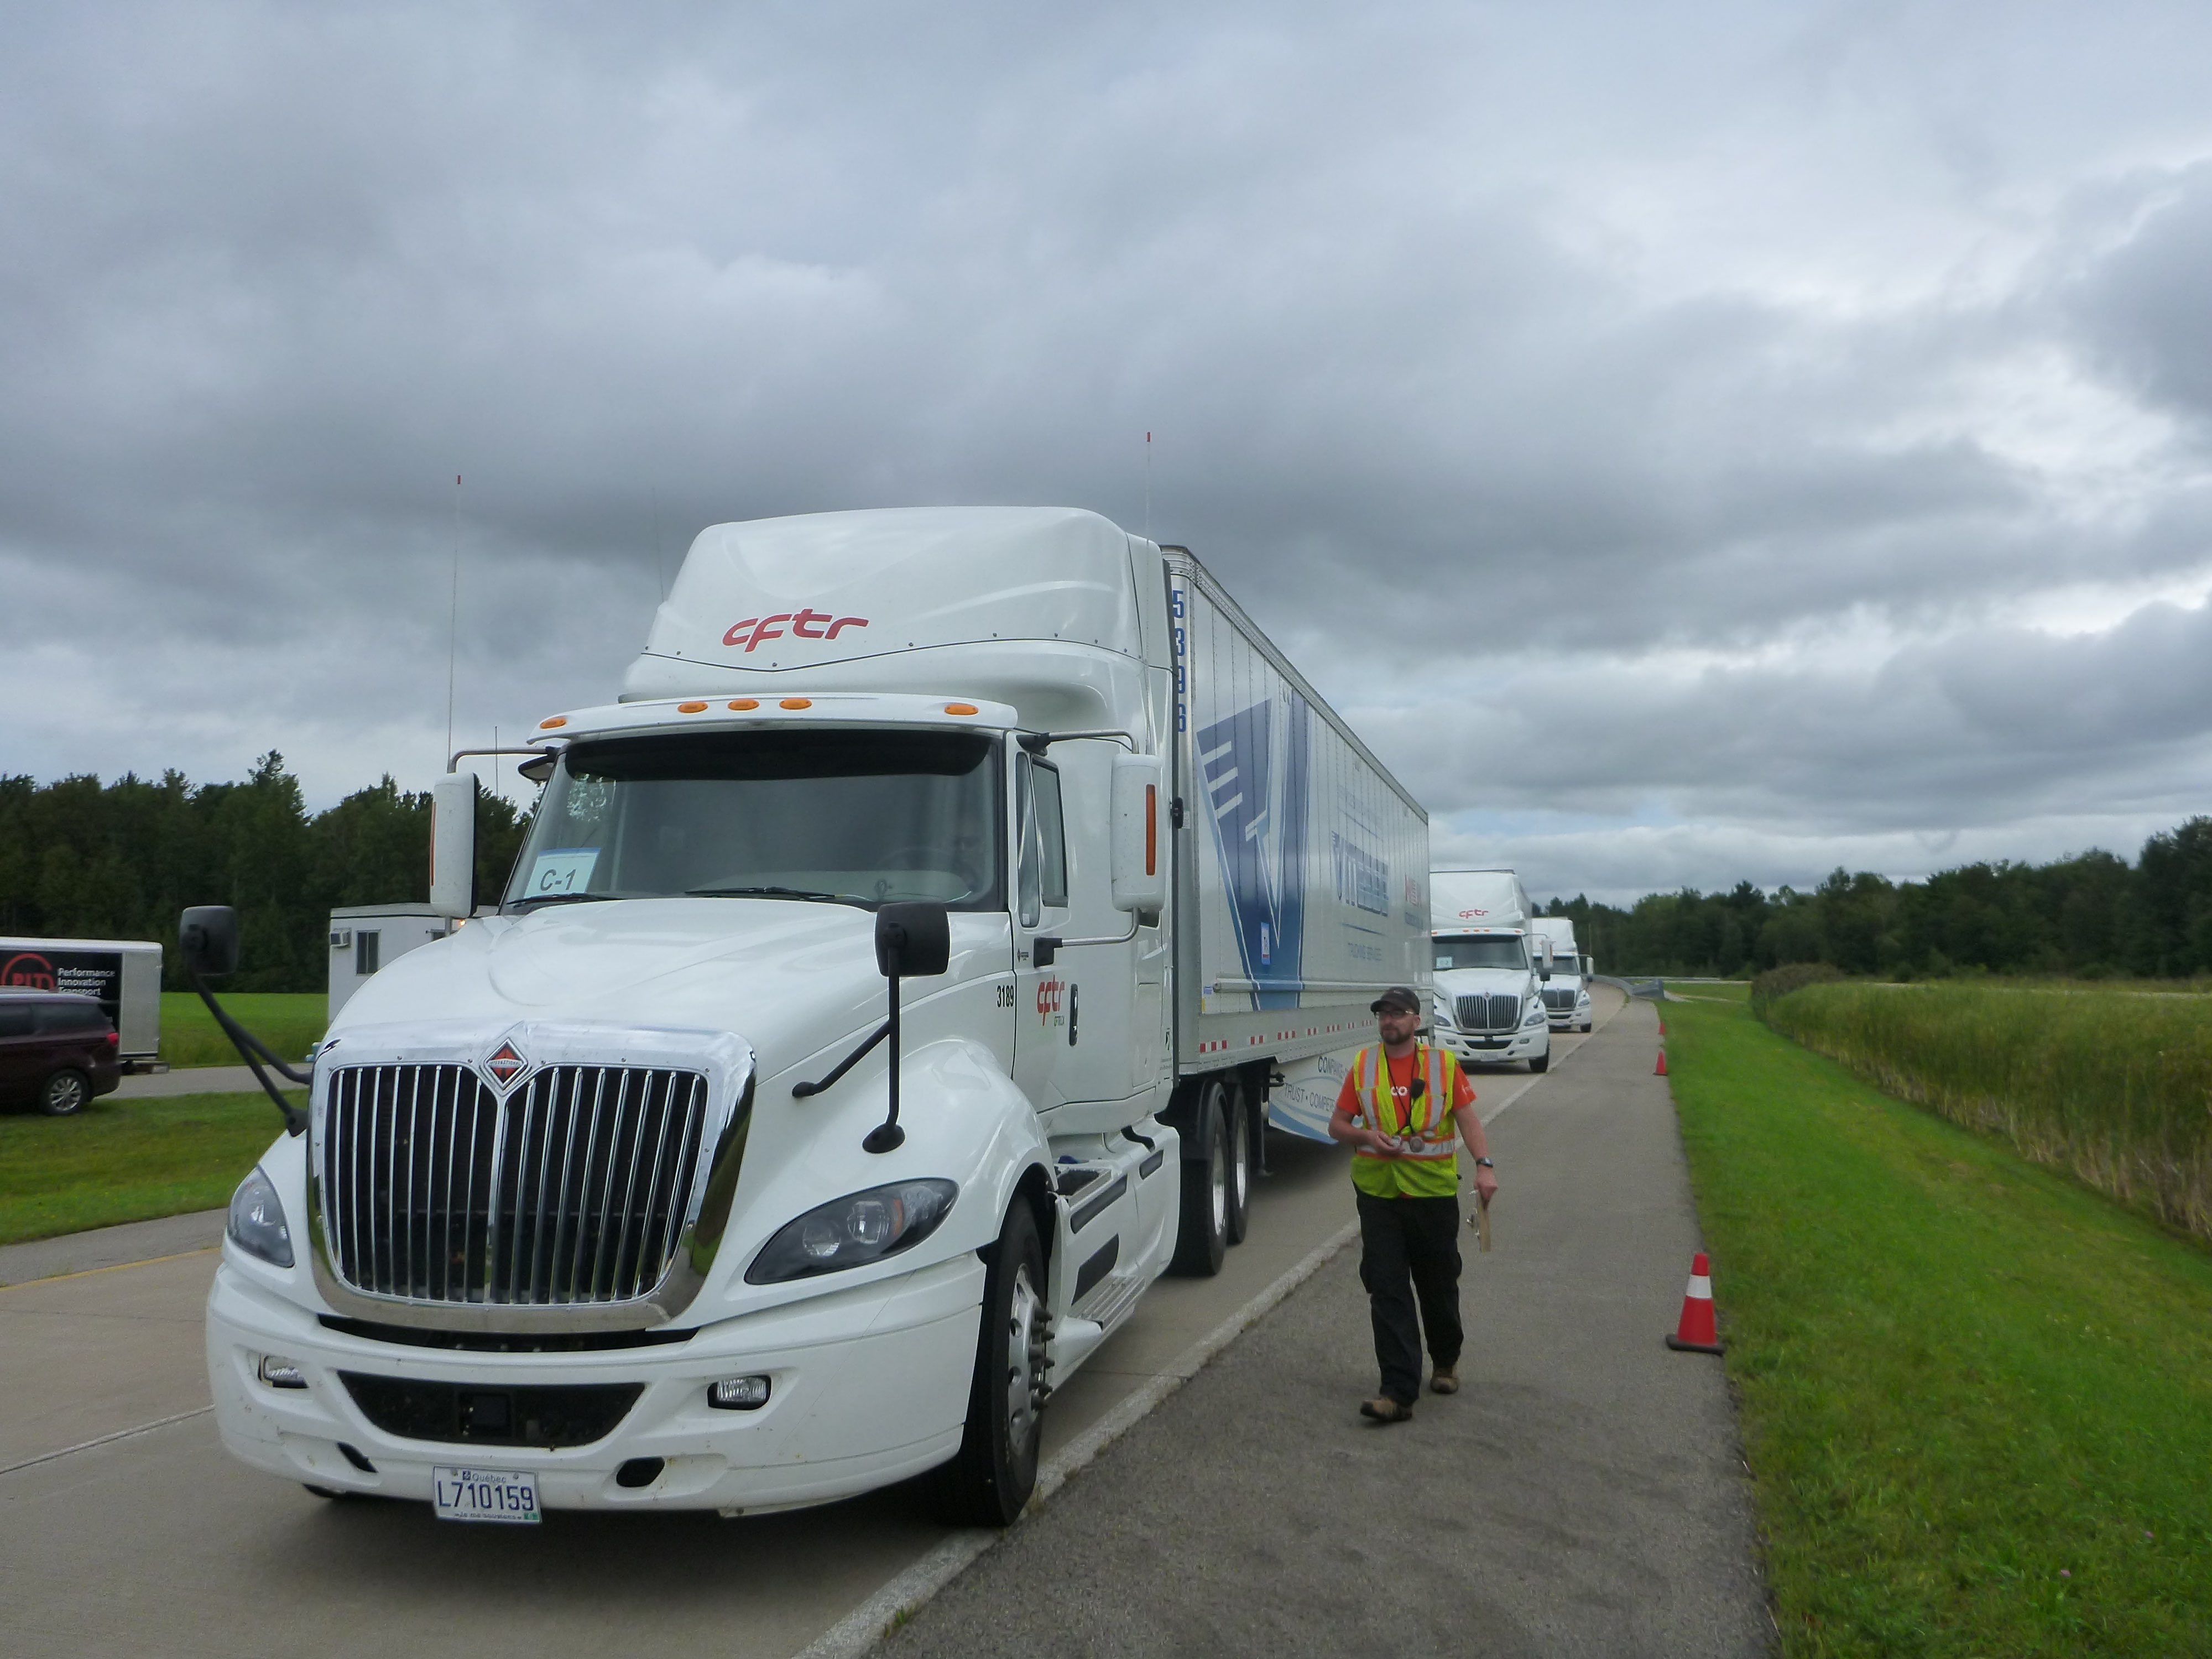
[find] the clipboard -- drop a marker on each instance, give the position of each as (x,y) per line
(1480,1223)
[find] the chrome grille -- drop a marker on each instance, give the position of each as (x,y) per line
(1495,1011)
(575,1189)
(1561,1000)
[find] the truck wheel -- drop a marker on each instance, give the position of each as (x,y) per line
(1238,1116)
(65,1093)
(1541,1063)
(987,1484)
(1202,1232)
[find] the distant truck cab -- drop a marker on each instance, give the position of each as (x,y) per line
(1566,995)
(1490,971)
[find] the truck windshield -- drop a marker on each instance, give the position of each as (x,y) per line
(1494,950)
(856,818)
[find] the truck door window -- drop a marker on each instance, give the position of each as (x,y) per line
(1044,839)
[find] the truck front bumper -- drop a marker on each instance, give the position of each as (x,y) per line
(1502,1050)
(867,1387)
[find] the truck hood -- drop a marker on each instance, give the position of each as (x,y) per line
(1465,982)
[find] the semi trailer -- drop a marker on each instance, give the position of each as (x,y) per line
(1491,970)
(892,984)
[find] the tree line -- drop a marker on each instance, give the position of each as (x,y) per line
(2092,917)
(83,859)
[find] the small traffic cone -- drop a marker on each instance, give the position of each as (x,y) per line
(1696,1334)
(1662,1028)
(1660,1070)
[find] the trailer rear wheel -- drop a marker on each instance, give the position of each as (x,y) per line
(992,1476)
(1202,1232)
(1237,1113)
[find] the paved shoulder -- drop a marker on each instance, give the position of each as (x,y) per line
(1584,1494)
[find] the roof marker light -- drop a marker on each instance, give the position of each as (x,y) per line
(690,708)
(962,709)
(739,705)
(796,702)
(548,723)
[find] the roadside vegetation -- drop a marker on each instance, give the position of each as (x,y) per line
(1976,1397)
(128,1160)
(2112,1086)
(288,1021)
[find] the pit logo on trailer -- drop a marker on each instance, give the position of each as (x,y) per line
(27,972)
(804,625)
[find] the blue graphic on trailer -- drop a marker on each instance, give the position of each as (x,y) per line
(1260,828)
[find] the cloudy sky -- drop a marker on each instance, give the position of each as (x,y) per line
(1689,442)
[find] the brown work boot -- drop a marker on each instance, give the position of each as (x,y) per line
(1384,1409)
(1445,1381)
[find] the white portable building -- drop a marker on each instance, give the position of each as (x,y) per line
(365,937)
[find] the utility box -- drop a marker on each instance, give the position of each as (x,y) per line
(125,975)
(365,937)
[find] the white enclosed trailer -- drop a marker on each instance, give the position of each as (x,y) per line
(629,1194)
(125,975)
(364,937)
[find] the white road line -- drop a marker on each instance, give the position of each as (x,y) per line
(867,1624)
(107,1439)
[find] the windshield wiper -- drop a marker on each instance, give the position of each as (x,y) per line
(807,893)
(566,898)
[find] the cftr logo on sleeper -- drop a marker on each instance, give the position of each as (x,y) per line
(806,623)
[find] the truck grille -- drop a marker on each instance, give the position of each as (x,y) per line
(535,1415)
(1497,1012)
(1564,1000)
(574,1190)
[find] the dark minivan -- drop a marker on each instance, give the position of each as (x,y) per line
(57,1051)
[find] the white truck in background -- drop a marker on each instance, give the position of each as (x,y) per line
(1490,970)
(1566,995)
(639,1192)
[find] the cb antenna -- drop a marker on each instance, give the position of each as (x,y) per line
(454,617)
(1148,486)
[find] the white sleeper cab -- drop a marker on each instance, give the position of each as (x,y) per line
(1491,971)
(894,982)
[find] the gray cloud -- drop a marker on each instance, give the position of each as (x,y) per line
(1718,386)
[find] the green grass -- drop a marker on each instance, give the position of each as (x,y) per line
(128,1160)
(2110,1084)
(289,1021)
(1734,990)
(1976,1397)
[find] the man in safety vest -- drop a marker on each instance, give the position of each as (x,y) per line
(1404,1106)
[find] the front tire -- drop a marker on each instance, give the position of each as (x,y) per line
(1540,1064)
(1202,1229)
(990,1478)
(64,1094)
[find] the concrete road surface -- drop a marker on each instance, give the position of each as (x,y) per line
(125,1528)
(1583,1494)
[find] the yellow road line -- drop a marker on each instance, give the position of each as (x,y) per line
(112,1267)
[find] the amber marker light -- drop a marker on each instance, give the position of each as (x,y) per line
(796,702)
(690,708)
(739,705)
(548,724)
(962,709)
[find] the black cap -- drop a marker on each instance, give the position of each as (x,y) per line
(1402,998)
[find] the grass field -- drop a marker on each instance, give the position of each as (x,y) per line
(288,1021)
(2110,1083)
(128,1160)
(1977,1398)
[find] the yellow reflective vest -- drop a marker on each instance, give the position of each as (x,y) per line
(1426,1128)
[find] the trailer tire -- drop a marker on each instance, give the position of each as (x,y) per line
(1202,1229)
(990,1478)
(1243,1143)
(65,1093)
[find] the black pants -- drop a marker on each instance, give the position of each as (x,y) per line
(1409,1255)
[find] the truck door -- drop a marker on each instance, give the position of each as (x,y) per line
(1042,1007)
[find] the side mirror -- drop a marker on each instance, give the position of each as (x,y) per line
(913,939)
(1140,855)
(453,845)
(207,935)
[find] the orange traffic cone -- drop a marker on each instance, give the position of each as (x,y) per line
(1696,1334)
(1662,1028)
(1660,1070)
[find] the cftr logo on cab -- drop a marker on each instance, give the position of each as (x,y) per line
(805,625)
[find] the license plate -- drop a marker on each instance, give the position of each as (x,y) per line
(485,1495)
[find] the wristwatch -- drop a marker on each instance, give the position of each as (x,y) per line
(1484,1163)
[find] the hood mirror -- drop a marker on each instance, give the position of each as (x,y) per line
(914,939)
(206,936)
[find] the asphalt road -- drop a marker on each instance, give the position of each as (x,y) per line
(124,1527)
(1583,1494)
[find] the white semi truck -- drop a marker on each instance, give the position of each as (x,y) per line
(1490,970)
(1566,995)
(891,987)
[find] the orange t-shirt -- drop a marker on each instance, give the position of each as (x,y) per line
(1401,1083)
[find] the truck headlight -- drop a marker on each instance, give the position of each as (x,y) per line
(854,1231)
(257,1221)
(1536,1015)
